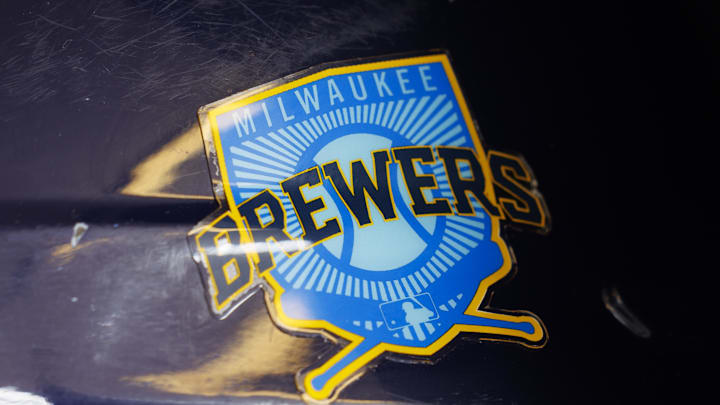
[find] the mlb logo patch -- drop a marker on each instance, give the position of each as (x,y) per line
(360,199)
(410,312)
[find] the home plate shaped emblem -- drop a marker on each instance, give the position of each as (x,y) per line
(360,199)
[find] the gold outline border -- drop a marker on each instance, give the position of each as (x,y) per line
(219,307)
(532,191)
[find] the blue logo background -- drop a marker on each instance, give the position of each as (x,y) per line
(404,282)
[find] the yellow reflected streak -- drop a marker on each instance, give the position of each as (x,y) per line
(160,169)
(63,254)
(258,349)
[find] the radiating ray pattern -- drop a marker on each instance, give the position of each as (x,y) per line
(263,161)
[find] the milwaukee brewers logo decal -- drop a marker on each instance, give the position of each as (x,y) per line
(360,200)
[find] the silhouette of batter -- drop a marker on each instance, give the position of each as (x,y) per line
(415,316)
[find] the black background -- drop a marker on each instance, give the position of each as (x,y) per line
(611,104)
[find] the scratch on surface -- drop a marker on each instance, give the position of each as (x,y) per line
(107,18)
(261,20)
(146,53)
(134,40)
(57,24)
(167,6)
